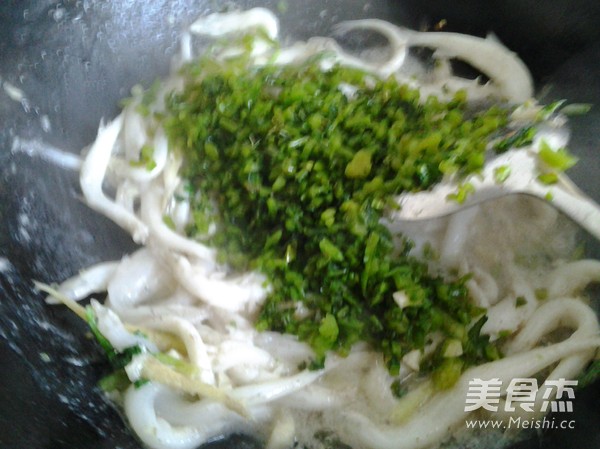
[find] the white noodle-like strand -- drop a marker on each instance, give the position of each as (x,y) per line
(92,174)
(111,327)
(242,293)
(189,335)
(152,212)
(397,42)
(142,175)
(443,413)
(94,279)
(489,56)
(270,391)
(153,430)
(573,277)
(139,278)
(217,25)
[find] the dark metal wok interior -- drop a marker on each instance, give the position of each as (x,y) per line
(74,60)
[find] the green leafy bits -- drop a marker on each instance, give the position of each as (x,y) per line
(146,159)
(501,174)
(296,176)
(516,139)
(560,159)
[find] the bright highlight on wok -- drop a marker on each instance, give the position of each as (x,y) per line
(276,291)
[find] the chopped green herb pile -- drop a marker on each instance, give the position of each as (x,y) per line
(296,174)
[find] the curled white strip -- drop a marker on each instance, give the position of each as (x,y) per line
(140,277)
(483,288)
(92,175)
(446,410)
(189,335)
(221,24)
(153,430)
(553,315)
(232,353)
(91,280)
(566,312)
(501,65)
(241,293)
(312,398)
(275,389)
(134,134)
(141,175)
(111,327)
(572,277)
(127,194)
(397,41)
(152,213)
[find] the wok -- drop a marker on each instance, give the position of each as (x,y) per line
(74,60)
